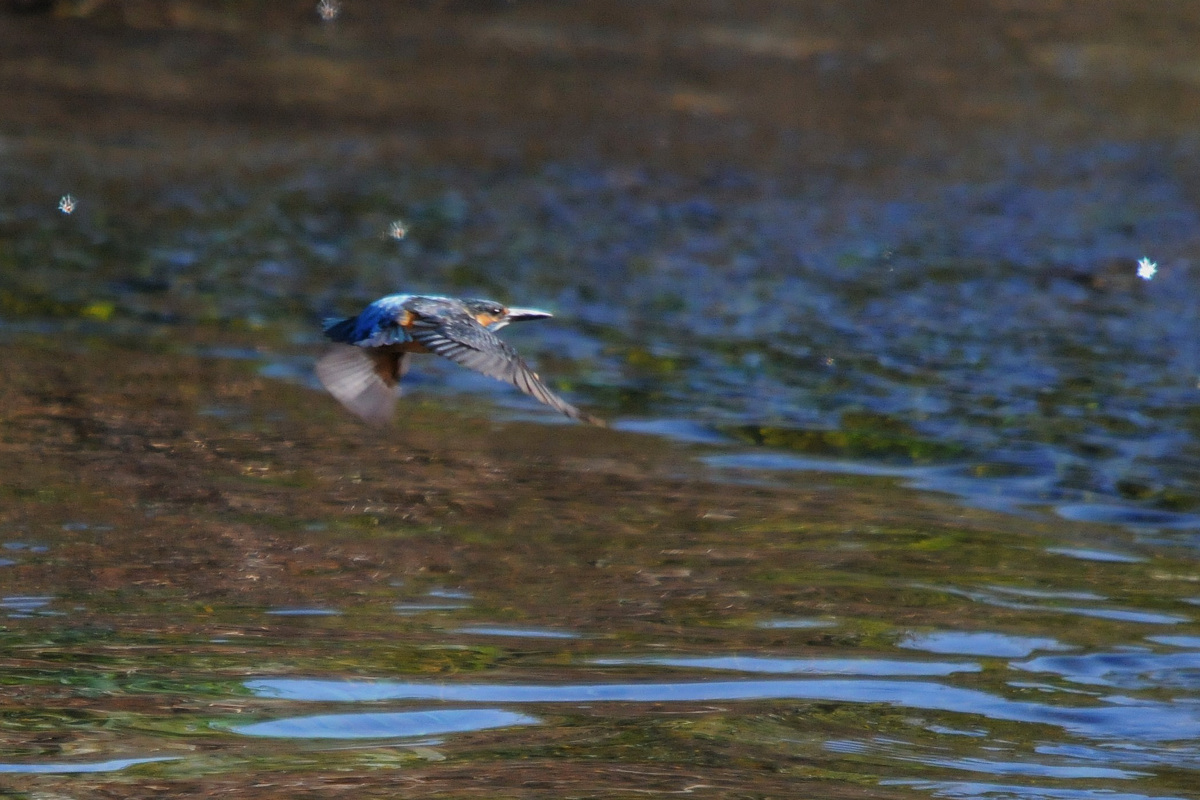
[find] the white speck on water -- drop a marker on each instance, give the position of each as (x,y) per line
(1146,269)
(329,9)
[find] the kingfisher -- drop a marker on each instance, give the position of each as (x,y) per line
(375,348)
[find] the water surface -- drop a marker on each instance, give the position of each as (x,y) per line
(899,495)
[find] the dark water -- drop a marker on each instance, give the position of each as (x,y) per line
(901,497)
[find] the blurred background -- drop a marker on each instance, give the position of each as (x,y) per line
(868,266)
(773,220)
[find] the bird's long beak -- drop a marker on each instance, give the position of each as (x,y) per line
(523,314)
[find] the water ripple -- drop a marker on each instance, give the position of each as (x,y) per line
(979,643)
(525,633)
(989,596)
(385,725)
(965,789)
(95,766)
(1131,670)
(1149,721)
(801,666)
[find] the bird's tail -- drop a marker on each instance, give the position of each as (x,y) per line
(340,329)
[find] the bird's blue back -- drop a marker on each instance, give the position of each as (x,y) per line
(376,326)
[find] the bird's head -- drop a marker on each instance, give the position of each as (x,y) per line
(494,316)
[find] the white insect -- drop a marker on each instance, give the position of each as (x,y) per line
(329,9)
(1146,269)
(67,204)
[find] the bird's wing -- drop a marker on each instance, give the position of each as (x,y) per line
(363,380)
(452,333)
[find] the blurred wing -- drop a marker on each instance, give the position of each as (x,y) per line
(363,380)
(456,336)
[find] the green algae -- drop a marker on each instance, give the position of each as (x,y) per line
(860,435)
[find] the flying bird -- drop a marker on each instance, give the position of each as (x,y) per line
(375,348)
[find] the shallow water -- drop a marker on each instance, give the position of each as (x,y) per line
(899,496)
(241,601)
